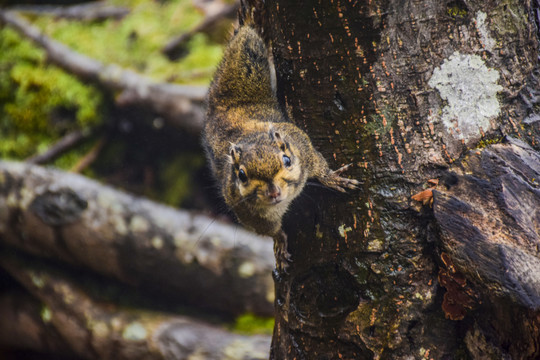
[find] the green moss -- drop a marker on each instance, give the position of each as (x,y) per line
(486,142)
(251,324)
(39,103)
(135,42)
(380,123)
(456,12)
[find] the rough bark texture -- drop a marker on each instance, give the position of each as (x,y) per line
(72,318)
(404,89)
(191,258)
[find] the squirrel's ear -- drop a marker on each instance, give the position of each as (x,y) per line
(276,136)
(234,152)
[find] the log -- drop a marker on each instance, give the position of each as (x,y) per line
(67,142)
(71,319)
(186,256)
(174,48)
(22,326)
(82,12)
(179,105)
(488,212)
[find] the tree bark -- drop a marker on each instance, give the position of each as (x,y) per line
(414,94)
(187,257)
(75,319)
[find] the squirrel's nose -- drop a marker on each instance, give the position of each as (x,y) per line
(273,191)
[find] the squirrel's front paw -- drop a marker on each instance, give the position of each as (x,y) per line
(333,180)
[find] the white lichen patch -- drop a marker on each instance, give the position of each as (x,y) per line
(487,41)
(100,329)
(376,245)
(119,224)
(470,89)
(181,238)
(157,242)
(139,224)
(247,269)
(37,280)
(134,331)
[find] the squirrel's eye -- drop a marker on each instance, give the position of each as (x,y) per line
(242,175)
(286,161)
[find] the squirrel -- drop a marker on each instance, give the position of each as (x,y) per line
(260,159)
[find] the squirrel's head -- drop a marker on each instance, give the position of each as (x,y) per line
(266,170)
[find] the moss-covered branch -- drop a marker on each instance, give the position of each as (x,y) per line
(192,258)
(179,104)
(97,11)
(71,319)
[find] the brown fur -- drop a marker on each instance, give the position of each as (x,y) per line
(246,131)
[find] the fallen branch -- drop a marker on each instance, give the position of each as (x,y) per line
(83,12)
(192,258)
(174,47)
(64,144)
(23,328)
(180,105)
(80,319)
(91,156)
(488,216)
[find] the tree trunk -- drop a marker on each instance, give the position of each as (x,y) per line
(438,255)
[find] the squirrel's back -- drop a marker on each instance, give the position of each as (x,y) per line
(243,77)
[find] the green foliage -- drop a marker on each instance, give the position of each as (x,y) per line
(135,41)
(38,102)
(251,324)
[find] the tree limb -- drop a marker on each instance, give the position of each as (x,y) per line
(23,328)
(84,12)
(489,218)
(189,257)
(64,144)
(180,105)
(91,156)
(173,48)
(94,328)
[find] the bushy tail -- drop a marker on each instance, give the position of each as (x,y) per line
(243,76)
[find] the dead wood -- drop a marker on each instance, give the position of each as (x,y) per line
(96,11)
(218,12)
(73,319)
(60,147)
(489,218)
(193,258)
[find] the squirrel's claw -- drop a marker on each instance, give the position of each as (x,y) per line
(335,181)
(342,169)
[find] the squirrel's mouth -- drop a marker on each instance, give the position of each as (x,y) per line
(274,201)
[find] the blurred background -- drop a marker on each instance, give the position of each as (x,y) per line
(120,101)
(128,145)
